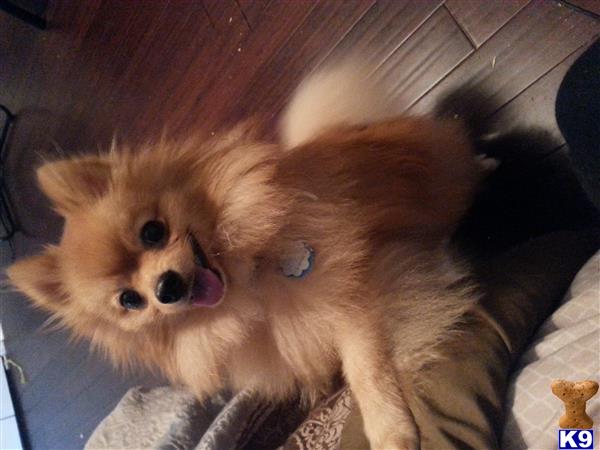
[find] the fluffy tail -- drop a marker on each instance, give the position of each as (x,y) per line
(344,94)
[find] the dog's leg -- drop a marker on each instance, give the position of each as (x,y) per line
(389,424)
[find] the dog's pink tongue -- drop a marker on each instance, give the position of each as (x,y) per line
(207,289)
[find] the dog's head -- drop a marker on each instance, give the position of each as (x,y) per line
(150,235)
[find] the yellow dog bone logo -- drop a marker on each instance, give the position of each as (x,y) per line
(574,395)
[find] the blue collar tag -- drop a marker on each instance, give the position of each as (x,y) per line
(298,260)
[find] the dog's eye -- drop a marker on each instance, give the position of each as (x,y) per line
(153,233)
(130,299)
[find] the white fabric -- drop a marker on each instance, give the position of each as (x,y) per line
(567,346)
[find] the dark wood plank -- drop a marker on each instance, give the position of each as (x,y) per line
(191,50)
(384,28)
(253,10)
(121,76)
(226,15)
(537,38)
(480,19)
(185,61)
(201,107)
(322,30)
(272,69)
(110,65)
(433,51)
(533,109)
(592,6)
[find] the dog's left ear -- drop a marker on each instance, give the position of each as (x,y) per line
(75,182)
(38,277)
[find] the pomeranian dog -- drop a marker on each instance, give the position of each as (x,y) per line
(232,263)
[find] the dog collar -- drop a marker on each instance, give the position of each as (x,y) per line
(298,260)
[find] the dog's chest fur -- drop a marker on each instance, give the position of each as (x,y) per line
(273,333)
(276,340)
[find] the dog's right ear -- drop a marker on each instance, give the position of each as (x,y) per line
(73,183)
(38,277)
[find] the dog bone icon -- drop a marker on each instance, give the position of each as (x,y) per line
(574,395)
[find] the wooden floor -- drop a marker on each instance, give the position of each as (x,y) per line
(106,67)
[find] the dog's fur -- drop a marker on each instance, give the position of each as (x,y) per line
(376,201)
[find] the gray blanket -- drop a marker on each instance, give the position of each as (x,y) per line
(166,418)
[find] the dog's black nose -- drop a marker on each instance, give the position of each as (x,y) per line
(170,287)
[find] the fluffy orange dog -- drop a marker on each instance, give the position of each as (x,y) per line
(235,263)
